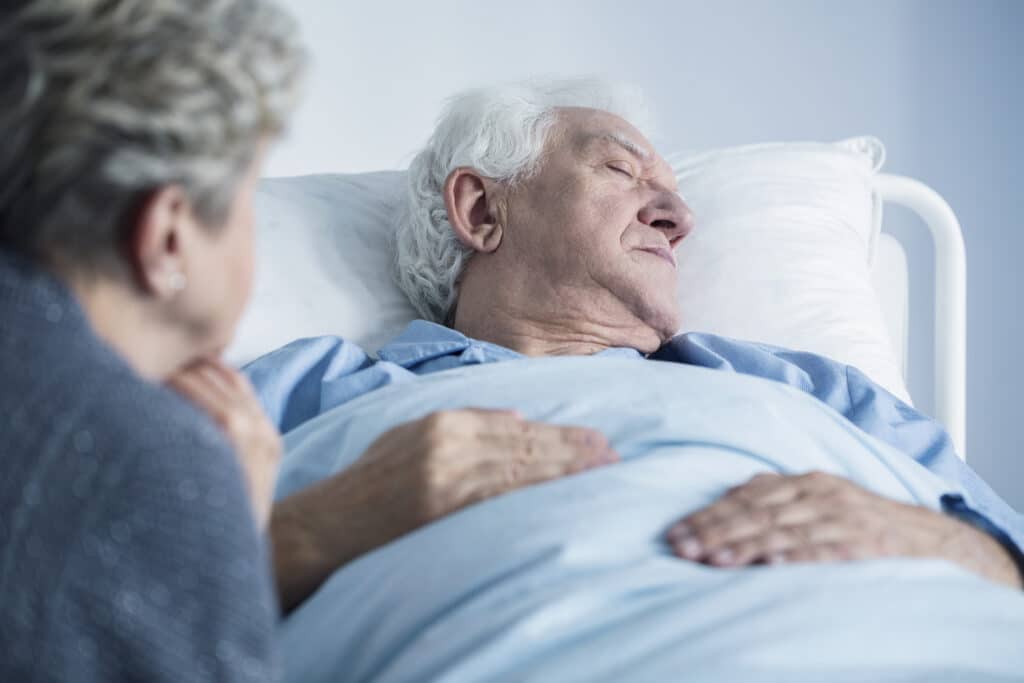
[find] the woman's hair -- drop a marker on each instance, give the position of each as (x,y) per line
(500,132)
(105,101)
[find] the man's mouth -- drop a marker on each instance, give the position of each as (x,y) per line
(661,252)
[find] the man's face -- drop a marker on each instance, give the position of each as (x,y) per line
(599,223)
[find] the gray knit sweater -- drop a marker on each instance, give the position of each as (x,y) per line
(127,547)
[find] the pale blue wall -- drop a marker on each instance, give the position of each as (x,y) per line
(939,82)
(969,145)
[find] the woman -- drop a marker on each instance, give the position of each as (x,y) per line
(133,133)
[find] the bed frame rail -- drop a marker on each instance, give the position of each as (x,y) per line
(950,332)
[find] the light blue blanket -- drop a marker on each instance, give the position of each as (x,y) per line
(571,580)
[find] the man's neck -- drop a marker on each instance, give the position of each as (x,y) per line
(543,336)
(498,305)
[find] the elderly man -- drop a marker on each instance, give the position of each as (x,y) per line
(576,257)
(540,229)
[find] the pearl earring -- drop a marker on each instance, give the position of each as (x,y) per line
(177,281)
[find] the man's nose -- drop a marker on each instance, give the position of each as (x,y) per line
(668,212)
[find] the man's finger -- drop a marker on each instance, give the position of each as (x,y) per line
(487,479)
(767,490)
(822,552)
(545,469)
(473,422)
(763,491)
(748,525)
(539,453)
(554,450)
(779,542)
(537,440)
(718,512)
(490,423)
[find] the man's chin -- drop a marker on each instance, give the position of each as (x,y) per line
(668,329)
(660,333)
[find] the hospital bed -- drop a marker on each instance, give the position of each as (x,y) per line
(571,579)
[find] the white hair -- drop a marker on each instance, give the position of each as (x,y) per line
(500,132)
(107,100)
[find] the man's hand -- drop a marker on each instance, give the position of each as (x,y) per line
(227,396)
(427,469)
(413,475)
(818,517)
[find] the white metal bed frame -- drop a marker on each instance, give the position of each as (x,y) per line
(950,298)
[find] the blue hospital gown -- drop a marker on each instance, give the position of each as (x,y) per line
(310,376)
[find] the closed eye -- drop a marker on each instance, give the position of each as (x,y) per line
(621,167)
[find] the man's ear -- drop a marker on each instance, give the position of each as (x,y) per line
(468,197)
(156,246)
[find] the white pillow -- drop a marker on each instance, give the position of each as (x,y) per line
(780,255)
(782,251)
(323,263)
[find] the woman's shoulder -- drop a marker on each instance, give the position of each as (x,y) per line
(169,445)
(152,417)
(165,454)
(105,431)
(94,428)
(134,514)
(112,455)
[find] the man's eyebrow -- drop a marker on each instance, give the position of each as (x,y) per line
(621,140)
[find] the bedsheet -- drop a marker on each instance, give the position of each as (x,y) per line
(571,580)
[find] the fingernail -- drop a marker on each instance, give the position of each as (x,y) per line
(689,547)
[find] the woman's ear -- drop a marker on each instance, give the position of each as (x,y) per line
(468,197)
(156,246)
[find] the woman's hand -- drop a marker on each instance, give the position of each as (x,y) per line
(412,475)
(229,399)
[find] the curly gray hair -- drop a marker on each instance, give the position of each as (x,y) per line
(107,100)
(500,131)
